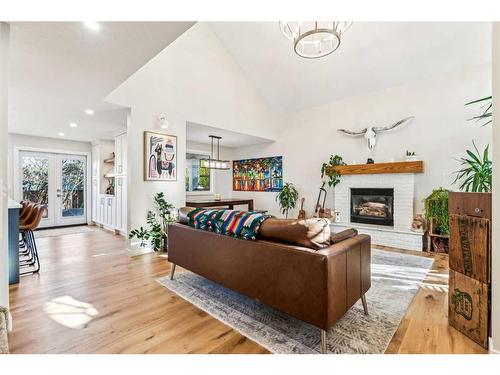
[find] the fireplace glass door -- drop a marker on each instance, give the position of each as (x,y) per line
(372,206)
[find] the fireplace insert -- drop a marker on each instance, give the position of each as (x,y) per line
(372,206)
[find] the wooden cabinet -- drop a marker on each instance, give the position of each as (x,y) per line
(470,264)
(468,309)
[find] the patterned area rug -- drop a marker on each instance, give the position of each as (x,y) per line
(395,280)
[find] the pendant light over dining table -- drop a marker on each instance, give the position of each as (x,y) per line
(315,39)
(212,162)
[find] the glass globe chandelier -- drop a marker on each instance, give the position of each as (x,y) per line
(314,39)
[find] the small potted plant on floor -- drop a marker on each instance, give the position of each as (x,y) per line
(158,220)
(287,198)
(436,213)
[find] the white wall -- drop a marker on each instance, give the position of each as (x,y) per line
(439,133)
(196,80)
(4,255)
(42,143)
(495,303)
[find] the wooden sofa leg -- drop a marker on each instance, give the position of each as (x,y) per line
(324,346)
(365,305)
(172,271)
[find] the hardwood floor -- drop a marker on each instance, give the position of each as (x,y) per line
(92,297)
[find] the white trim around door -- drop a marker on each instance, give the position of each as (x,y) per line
(55,158)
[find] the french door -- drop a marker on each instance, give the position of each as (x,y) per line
(58,181)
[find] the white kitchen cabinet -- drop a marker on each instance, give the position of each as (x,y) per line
(110,211)
(121,203)
(121,154)
(95,201)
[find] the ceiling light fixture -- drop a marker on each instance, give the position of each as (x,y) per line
(214,163)
(314,39)
(73,125)
(89,112)
(94,26)
(60,134)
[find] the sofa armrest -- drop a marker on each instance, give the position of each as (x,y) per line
(348,274)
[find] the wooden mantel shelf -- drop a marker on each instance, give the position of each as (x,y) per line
(378,168)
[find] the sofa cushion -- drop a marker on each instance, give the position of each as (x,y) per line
(312,233)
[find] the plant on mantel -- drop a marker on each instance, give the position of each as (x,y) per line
(164,213)
(328,169)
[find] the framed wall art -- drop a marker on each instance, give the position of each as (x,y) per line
(262,174)
(160,157)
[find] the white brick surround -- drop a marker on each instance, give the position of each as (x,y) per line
(400,235)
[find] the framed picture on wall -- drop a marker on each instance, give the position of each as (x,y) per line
(160,157)
(262,174)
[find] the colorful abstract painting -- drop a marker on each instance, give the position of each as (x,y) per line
(160,157)
(263,174)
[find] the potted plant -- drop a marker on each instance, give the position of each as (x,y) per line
(475,175)
(158,220)
(329,170)
(287,198)
(436,213)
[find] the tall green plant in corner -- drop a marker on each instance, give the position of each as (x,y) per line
(477,169)
(158,219)
(329,170)
(476,173)
(287,198)
(487,115)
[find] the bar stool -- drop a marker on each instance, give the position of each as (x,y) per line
(27,227)
(25,210)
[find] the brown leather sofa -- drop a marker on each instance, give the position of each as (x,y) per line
(315,286)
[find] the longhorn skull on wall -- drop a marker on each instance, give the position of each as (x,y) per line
(370,133)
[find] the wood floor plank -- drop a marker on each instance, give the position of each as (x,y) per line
(135,314)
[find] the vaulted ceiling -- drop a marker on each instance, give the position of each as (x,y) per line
(372,56)
(59,69)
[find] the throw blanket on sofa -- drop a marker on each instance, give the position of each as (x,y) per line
(240,224)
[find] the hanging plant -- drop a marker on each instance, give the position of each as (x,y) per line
(329,170)
(287,198)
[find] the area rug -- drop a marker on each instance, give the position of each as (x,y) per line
(396,278)
(43,233)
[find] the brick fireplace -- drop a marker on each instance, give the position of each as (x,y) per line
(380,205)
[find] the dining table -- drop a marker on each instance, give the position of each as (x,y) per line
(228,202)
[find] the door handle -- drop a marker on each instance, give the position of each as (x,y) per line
(59,195)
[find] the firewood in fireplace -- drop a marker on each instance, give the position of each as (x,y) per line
(373,209)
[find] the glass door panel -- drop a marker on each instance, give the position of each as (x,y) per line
(70,189)
(36,185)
(73,188)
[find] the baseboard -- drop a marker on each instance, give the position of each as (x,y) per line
(491,349)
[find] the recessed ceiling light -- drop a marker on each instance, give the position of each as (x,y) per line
(73,125)
(94,26)
(60,134)
(89,111)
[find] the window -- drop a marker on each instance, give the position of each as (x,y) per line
(197,178)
